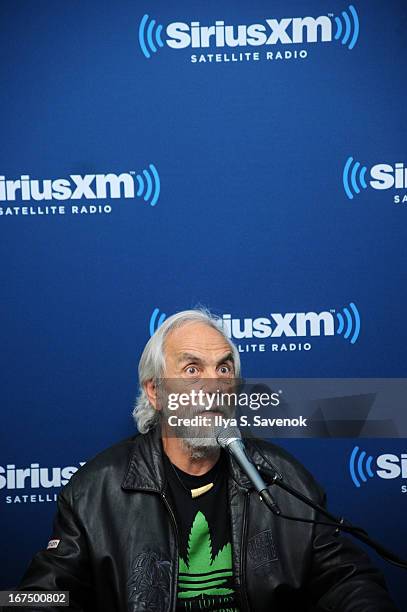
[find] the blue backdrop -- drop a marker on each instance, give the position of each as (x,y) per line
(149,164)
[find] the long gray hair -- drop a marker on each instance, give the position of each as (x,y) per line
(152,362)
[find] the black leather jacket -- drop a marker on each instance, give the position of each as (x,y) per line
(118,541)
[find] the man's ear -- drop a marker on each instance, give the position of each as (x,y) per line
(150,388)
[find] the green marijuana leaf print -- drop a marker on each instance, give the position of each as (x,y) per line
(201,574)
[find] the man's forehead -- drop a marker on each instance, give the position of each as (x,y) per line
(196,355)
(195,338)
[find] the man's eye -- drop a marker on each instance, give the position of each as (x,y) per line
(225,369)
(192,370)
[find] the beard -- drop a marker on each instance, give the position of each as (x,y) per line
(198,440)
(199,448)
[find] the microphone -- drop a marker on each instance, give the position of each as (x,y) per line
(230,439)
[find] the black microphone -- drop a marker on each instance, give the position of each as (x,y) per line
(230,439)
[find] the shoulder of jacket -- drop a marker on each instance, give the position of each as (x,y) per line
(109,463)
(277,458)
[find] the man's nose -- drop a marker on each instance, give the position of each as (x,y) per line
(216,384)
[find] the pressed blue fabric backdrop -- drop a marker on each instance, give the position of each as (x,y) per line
(252,218)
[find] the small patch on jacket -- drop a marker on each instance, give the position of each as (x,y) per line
(53,544)
(261,549)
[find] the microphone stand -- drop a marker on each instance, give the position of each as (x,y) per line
(339,523)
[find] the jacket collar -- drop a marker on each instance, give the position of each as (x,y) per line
(145,470)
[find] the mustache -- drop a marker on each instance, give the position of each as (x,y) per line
(197,410)
(191,410)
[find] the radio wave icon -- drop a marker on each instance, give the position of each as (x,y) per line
(156,320)
(348,21)
(149,185)
(351,323)
(353,175)
(359,465)
(149,38)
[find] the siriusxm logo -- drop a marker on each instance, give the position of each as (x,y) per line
(387,466)
(380,176)
(290,324)
(286,31)
(35,477)
(88,186)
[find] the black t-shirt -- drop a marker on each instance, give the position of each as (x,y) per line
(205,580)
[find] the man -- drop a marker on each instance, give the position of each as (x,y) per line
(166,523)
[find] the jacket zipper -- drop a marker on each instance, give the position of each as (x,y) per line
(171,513)
(243,553)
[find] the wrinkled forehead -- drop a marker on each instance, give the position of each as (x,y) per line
(195,338)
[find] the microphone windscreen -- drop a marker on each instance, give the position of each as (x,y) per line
(225,435)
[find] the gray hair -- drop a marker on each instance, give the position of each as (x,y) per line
(152,361)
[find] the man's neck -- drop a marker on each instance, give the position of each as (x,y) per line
(181,457)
